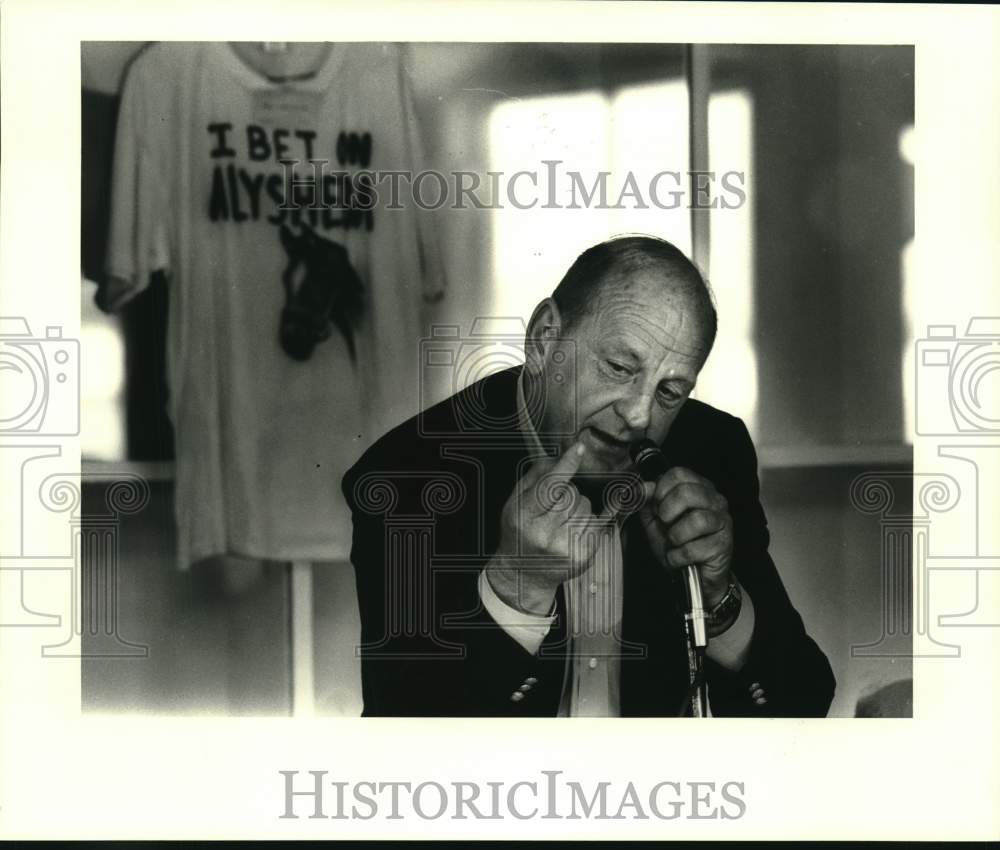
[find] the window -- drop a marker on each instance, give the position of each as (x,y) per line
(729,378)
(638,131)
(102,376)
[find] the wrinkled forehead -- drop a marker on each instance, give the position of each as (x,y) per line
(650,314)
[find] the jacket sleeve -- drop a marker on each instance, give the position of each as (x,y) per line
(783,661)
(428,647)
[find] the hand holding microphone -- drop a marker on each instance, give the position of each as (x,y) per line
(688,525)
(687,521)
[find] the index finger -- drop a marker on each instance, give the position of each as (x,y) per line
(567,464)
(569,461)
(538,467)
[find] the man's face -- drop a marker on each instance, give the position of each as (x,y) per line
(638,351)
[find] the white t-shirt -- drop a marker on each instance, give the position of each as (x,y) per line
(262,440)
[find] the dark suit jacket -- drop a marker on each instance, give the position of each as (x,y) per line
(426,500)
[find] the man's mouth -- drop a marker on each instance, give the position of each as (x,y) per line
(605,442)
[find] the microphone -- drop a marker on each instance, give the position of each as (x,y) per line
(648,459)
(651,465)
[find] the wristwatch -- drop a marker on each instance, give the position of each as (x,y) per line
(726,610)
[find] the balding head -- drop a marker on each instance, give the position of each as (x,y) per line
(612,264)
(614,353)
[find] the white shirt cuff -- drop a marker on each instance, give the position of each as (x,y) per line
(529,630)
(731,648)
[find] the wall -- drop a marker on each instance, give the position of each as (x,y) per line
(833,213)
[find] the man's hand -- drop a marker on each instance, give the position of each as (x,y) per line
(687,521)
(542,515)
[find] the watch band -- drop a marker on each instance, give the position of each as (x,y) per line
(726,609)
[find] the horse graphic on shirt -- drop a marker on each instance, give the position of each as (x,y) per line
(322,290)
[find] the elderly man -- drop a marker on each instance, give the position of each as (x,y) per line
(509,564)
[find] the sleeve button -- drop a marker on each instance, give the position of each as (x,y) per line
(517,696)
(531,680)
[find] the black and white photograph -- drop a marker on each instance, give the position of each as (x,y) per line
(370,300)
(449,424)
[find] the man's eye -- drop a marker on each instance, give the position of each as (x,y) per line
(617,368)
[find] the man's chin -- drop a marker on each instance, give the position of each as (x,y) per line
(603,484)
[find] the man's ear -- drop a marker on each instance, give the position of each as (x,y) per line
(544,329)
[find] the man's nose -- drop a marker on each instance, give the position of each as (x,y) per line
(635,410)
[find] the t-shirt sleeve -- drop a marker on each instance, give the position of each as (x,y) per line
(428,221)
(138,243)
